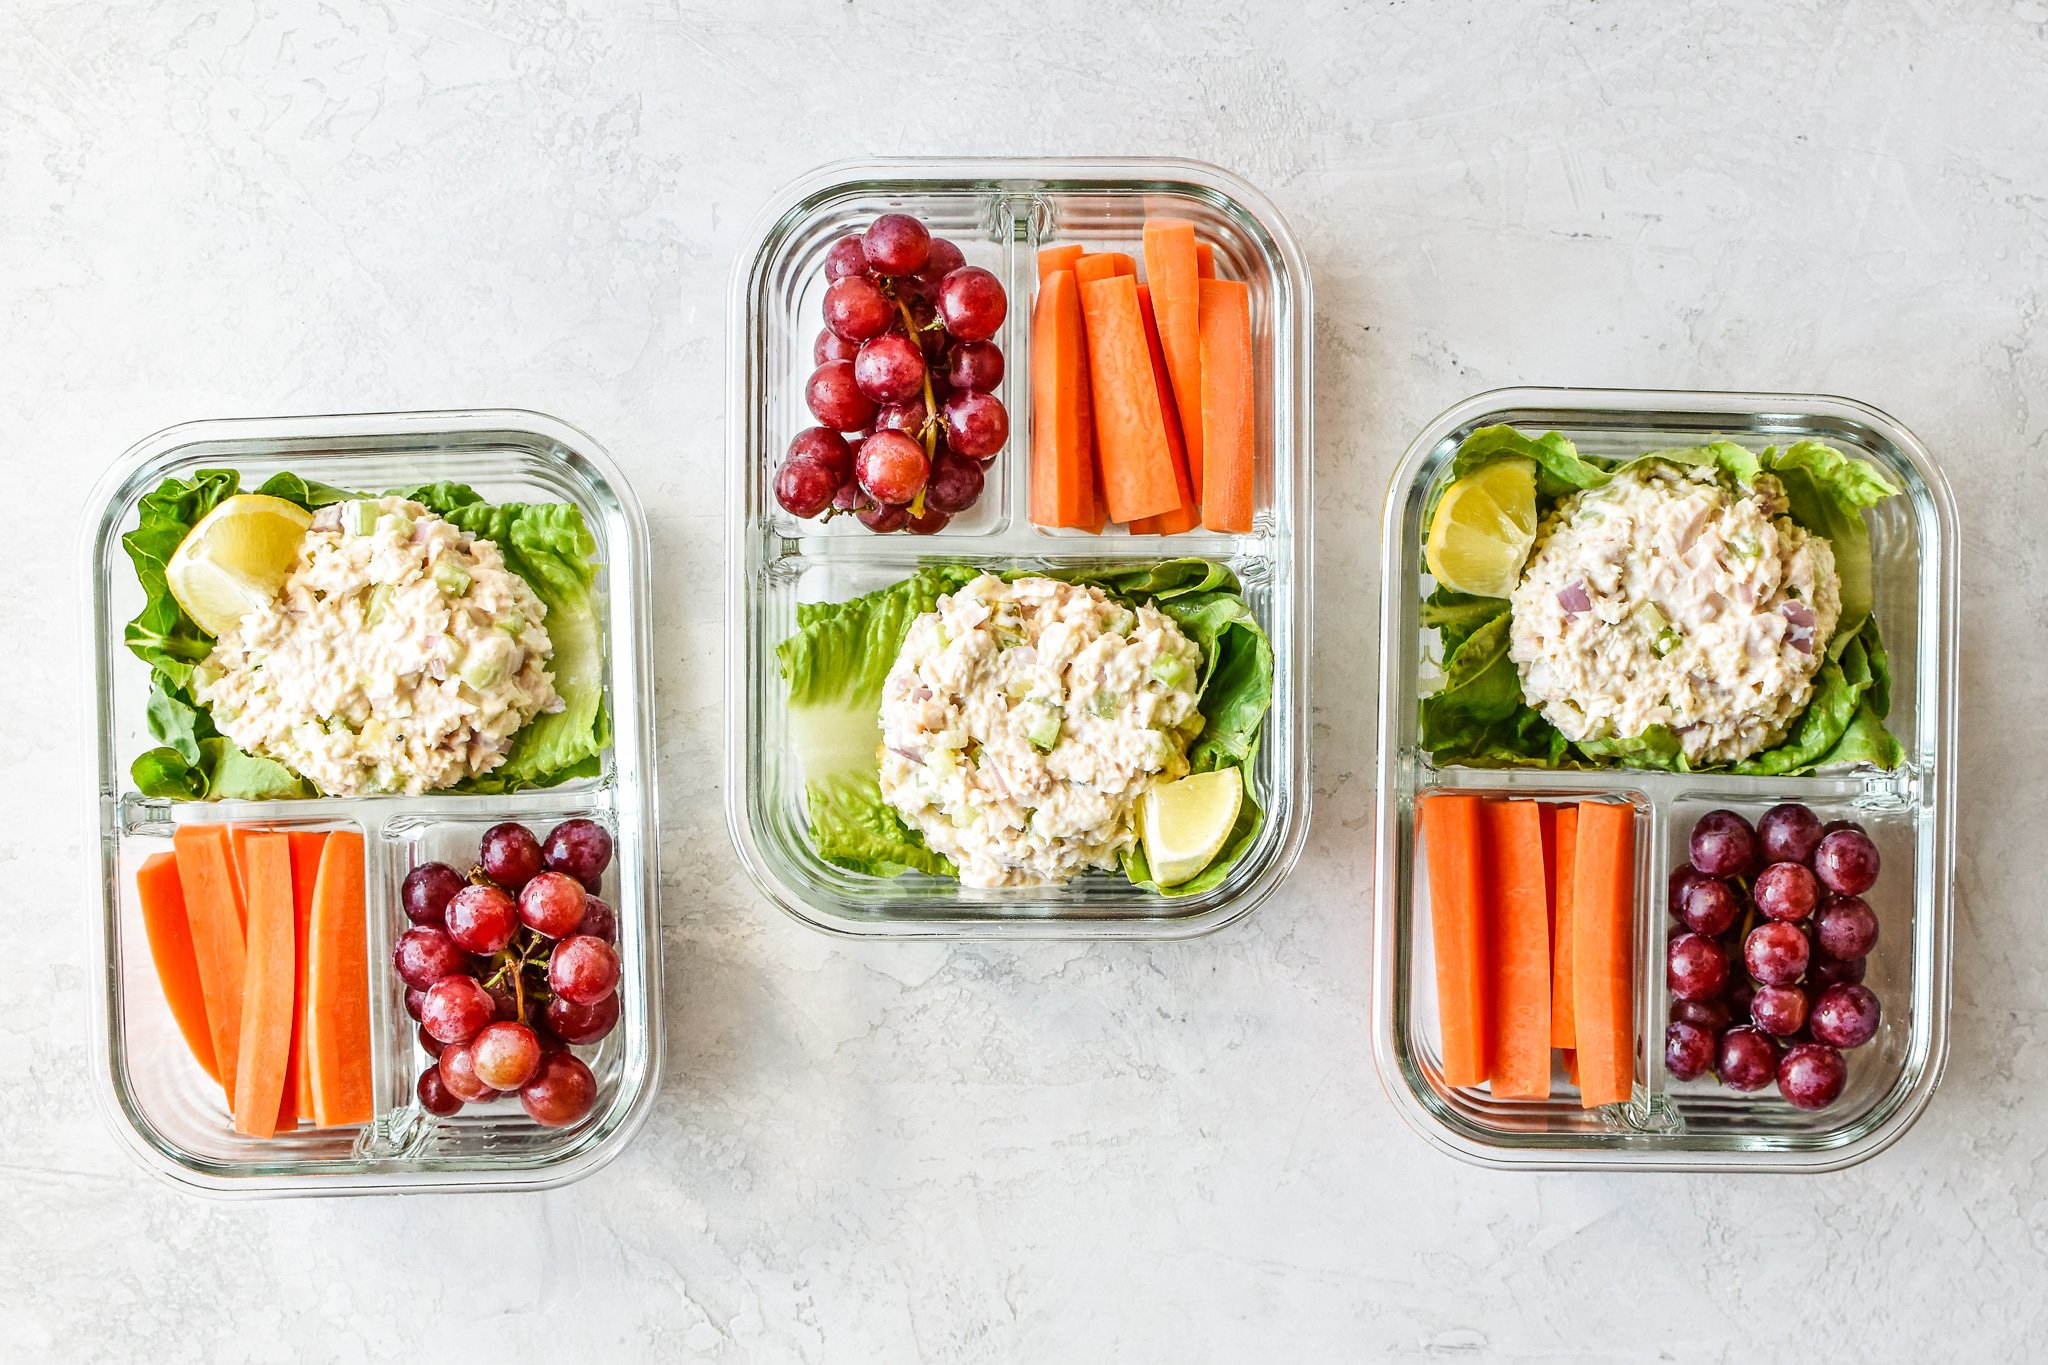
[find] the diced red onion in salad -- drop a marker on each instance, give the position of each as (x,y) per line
(1573,598)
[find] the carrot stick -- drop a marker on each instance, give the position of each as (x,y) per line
(1051,258)
(1176,291)
(1228,440)
(1519,943)
(1189,514)
(1603,891)
(1563,1014)
(170,947)
(338,977)
(1205,261)
(212,902)
(270,988)
(1130,427)
(1456,850)
(306,849)
(1571,1067)
(1062,430)
(1101,265)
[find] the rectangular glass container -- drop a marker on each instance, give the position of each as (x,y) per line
(999,212)
(157,1097)
(1909,813)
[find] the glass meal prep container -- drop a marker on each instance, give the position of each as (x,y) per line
(999,212)
(156,1095)
(1908,813)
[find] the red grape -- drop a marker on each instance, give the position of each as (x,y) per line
(846,257)
(1776,953)
(910,418)
(599,920)
(976,365)
(825,446)
(1741,990)
(504,1000)
(583,969)
(1708,905)
(942,260)
(976,424)
(415,1000)
(505,1055)
(1785,891)
(831,346)
(582,1024)
(896,244)
(561,1093)
(930,523)
(1723,845)
(435,1096)
(426,892)
(955,484)
(510,855)
(1688,1050)
(892,467)
(429,1044)
(1846,1015)
(1682,878)
(1834,971)
(423,956)
(1779,1010)
(1711,1015)
(1696,967)
(1811,1076)
(850,498)
(837,401)
(883,518)
(582,847)
(1833,825)
(1846,862)
(455,1008)
(804,488)
(482,919)
(889,370)
(856,308)
(1748,1060)
(972,302)
(1789,833)
(1845,927)
(458,1076)
(552,904)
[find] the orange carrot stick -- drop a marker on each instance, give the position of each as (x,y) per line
(170,946)
(1062,428)
(1456,850)
(270,988)
(1603,896)
(1189,514)
(1170,268)
(212,902)
(1205,261)
(1130,427)
(1228,398)
(1101,265)
(1519,943)
(307,846)
(1563,1010)
(338,975)
(1051,258)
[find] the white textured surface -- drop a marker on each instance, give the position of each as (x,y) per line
(1047,1153)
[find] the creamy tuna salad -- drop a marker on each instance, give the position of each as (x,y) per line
(1023,721)
(401,656)
(1665,597)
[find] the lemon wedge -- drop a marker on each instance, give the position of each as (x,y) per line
(1484,525)
(236,559)
(1184,823)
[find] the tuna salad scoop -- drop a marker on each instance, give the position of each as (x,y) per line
(1668,597)
(1023,721)
(401,656)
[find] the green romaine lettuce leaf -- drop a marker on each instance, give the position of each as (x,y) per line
(839,658)
(1560,469)
(1828,491)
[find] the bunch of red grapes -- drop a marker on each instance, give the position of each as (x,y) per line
(1767,979)
(509,967)
(904,392)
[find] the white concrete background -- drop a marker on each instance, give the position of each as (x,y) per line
(216,207)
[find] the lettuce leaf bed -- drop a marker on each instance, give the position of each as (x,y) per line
(836,662)
(546,544)
(1478,715)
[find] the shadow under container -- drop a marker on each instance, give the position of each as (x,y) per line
(160,1101)
(1908,812)
(1000,212)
